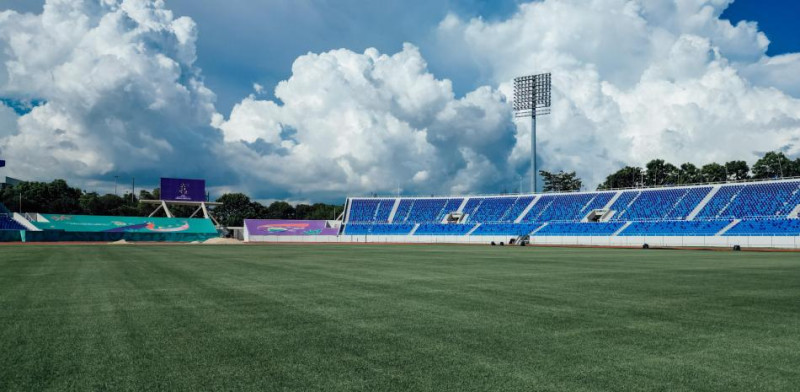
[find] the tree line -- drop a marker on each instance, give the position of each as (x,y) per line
(661,173)
(57,197)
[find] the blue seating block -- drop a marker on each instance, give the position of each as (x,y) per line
(490,209)
(7,223)
(566,207)
(378,228)
(506,228)
(443,229)
(579,229)
(766,227)
(675,228)
(688,203)
(764,208)
(371,210)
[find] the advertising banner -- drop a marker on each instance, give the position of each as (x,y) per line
(2,163)
(288,227)
(182,189)
(128,224)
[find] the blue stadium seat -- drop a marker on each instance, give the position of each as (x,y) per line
(579,229)
(764,207)
(7,221)
(567,207)
(490,209)
(371,210)
(515,229)
(766,227)
(425,210)
(675,228)
(657,204)
(378,228)
(757,200)
(443,229)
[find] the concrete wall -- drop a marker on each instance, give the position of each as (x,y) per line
(452,239)
(747,242)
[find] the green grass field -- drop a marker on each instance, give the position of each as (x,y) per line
(378,318)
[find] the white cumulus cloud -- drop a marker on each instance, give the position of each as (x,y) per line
(370,122)
(121,91)
(640,79)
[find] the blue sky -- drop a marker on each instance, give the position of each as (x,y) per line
(126,88)
(777,18)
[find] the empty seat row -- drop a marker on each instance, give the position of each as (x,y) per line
(766,227)
(579,229)
(675,228)
(515,229)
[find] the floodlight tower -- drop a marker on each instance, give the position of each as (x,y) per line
(532,99)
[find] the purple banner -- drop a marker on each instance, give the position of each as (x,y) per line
(181,189)
(288,227)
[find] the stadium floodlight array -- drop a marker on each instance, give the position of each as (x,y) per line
(532,99)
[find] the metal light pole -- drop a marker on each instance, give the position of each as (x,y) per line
(532,99)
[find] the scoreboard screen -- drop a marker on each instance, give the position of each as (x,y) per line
(182,189)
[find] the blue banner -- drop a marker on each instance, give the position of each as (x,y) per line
(2,163)
(181,189)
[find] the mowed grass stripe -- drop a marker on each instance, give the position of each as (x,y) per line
(396,318)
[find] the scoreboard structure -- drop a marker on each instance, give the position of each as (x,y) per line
(183,192)
(183,189)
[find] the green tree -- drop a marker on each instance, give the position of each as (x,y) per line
(713,172)
(235,208)
(627,177)
(688,173)
(90,203)
(112,204)
(280,210)
(774,165)
(737,170)
(561,181)
(660,172)
(320,211)
(56,197)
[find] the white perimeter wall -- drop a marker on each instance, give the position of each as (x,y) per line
(747,242)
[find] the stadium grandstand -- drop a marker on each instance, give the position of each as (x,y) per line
(765,213)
